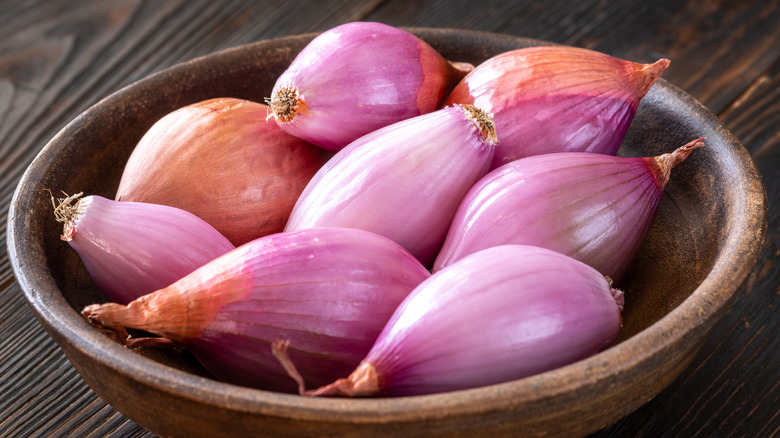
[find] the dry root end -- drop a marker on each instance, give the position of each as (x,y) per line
(285,103)
(65,211)
(483,122)
(618,296)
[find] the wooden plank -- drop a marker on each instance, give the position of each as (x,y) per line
(58,57)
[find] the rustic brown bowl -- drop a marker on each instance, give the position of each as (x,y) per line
(703,244)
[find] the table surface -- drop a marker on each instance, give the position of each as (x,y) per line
(59,57)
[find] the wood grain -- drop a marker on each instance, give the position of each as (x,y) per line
(59,57)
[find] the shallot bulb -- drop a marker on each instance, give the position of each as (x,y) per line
(557,99)
(356,78)
(595,208)
(500,314)
(220,160)
(131,248)
(330,291)
(404,181)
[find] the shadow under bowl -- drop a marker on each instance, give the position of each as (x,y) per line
(704,242)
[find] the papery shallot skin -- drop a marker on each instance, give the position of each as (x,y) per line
(329,291)
(557,99)
(131,248)
(356,78)
(220,160)
(500,314)
(404,181)
(593,207)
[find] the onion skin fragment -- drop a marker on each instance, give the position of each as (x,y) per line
(500,314)
(557,99)
(356,78)
(403,181)
(220,160)
(131,249)
(330,291)
(593,207)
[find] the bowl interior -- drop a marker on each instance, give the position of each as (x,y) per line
(702,208)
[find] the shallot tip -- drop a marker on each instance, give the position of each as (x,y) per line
(651,73)
(118,333)
(667,161)
(95,314)
(462,68)
(111,315)
(683,151)
(363,382)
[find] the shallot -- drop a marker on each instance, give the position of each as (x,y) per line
(330,291)
(220,160)
(593,207)
(500,314)
(132,248)
(356,78)
(403,181)
(557,99)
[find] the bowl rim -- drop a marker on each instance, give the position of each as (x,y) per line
(705,304)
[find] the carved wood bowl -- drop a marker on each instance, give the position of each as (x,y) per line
(703,244)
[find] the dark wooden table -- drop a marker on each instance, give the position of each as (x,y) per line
(59,57)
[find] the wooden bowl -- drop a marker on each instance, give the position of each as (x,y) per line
(704,242)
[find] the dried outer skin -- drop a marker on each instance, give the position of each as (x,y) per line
(329,292)
(557,99)
(500,314)
(131,249)
(359,77)
(404,181)
(220,160)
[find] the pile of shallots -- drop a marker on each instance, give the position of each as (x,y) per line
(386,223)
